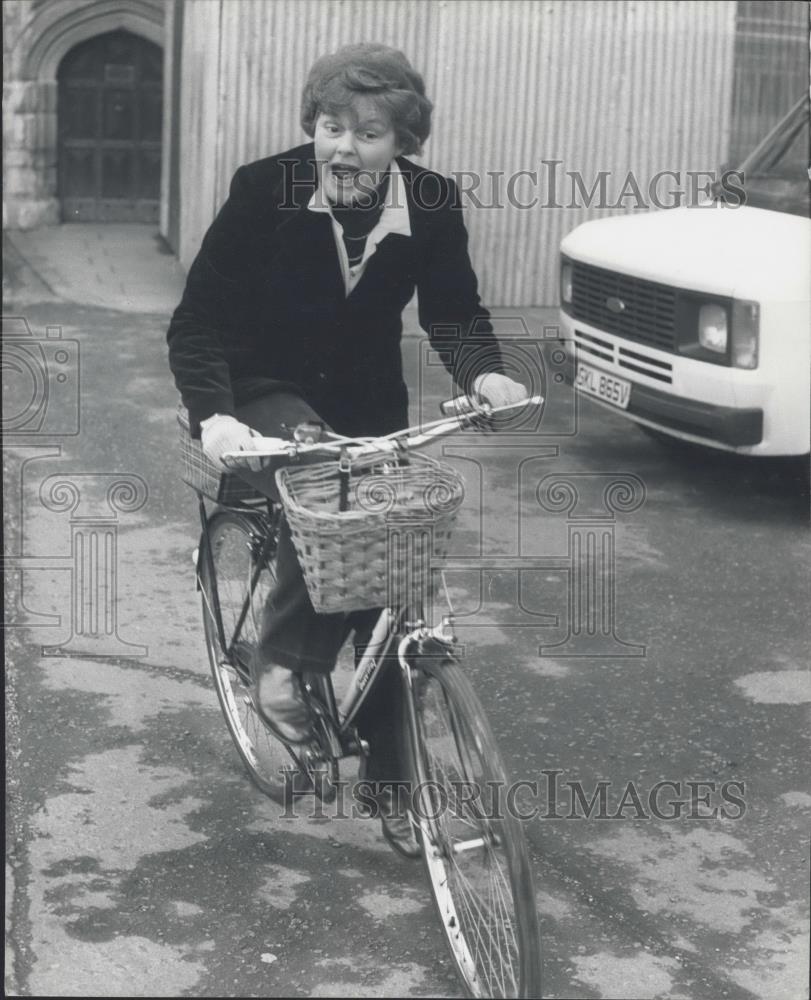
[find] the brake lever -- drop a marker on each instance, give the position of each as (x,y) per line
(482,418)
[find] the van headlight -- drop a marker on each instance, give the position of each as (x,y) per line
(745,333)
(719,330)
(713,327)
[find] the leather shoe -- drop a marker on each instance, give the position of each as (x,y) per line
(397,826)
(280,702)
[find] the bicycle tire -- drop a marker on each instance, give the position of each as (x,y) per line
(235,540)
(484,894)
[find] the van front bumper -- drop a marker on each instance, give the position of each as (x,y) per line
(725,424)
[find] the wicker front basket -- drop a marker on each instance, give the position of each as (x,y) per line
(377,553)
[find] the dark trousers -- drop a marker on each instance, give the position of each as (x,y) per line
(292,633)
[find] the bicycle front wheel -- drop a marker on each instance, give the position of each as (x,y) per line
(244,576)
(475,852)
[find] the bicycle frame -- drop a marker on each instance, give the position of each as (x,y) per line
(416,641)
(342,716)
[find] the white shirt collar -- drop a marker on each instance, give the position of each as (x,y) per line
(393,219)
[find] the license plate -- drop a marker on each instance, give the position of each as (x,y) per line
(598,383)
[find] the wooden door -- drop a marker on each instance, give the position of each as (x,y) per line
(109,114)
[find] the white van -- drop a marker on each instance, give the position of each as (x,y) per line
(696,322)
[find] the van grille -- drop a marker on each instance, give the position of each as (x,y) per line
(649,313)
(593,349)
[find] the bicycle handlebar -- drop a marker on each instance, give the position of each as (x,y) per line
(461,412)
(462,406)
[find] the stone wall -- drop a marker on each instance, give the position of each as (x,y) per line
(36,36)
(29,131)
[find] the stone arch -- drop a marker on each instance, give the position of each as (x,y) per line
(30,95)
(57,28)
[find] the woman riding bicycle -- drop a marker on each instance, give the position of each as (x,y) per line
(292,313)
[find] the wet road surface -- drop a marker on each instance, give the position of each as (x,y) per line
(142,861)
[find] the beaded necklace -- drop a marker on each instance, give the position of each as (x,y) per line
(357,221)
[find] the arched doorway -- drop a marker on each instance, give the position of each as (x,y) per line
(110,98)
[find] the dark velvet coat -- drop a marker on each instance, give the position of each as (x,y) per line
(265,304)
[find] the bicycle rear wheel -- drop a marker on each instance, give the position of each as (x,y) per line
(475,853)
(244,579)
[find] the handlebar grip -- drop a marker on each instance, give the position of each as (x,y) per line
(459,406)
(233,460)
(264,448)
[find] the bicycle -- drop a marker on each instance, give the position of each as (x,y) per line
(476,859)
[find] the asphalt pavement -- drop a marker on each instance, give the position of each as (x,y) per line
(633,616)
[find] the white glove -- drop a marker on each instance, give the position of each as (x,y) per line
(221,433)
(498,390)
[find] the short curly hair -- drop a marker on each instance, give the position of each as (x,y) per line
(376,71)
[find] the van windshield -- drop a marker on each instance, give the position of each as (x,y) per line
(775,174)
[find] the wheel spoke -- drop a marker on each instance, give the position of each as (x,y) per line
(234,554)
(478,911)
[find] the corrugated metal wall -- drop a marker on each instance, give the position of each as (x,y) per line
(771,67)
(599,86)
(201,131)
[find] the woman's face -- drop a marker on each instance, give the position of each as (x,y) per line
(354,149)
